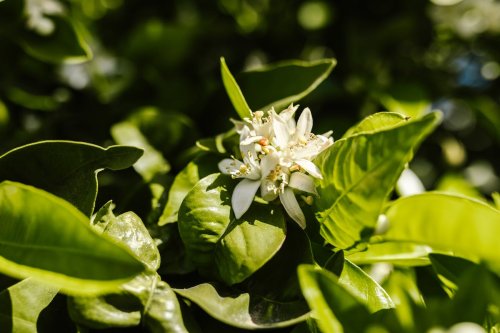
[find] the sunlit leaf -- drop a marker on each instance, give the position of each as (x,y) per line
(65,168)
(448,222)
(376,122)
(359,172)
(234,91)
(45,237)
(400,254)
(408,99)
(22,303)
(278,85)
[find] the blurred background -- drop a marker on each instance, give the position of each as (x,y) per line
(77,69)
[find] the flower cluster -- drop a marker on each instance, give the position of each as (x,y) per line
(277,154)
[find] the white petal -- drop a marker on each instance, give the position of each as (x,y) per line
(268,190)
(304,124)
(292,207)
(301,181)
(310,167)
(243,196)
(268,163)
(229,165)
(288,113)
(250,140)
(281,132)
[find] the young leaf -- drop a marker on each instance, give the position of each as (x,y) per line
(22,303)
(359,172)
(45,237)
(333,307)
(448,222)
(400,254)
(65,168)
(408,99)
(279,85)
(376,122)
(234,91)
(242,309)
(212,235)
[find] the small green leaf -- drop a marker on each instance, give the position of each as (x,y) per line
(212,235)
(242,309)
(22,303)
(376,122)
(234,91)
(279,85)
(65,168)
(447,222)
(367,290)
(359,172)
(151,164)
(456,184)
(333,307)
(197,169)
(45,237)
(64,44)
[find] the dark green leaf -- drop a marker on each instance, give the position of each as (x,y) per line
(359,172)
(447,222)
(65,168)
(244,310)
(21,305)
(212,235)
(279,85)
(234,91)
(45,237)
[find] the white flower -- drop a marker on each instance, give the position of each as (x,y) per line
(277,154)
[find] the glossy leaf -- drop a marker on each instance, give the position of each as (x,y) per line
(447,222)
(65,168)
(151,164)
(408,99)
(212,235)
(197,169)
(334,308)
(449,269)
(234,91)
(359,172)
(45,237)
(279,85)
(64,44)
(400,254)
(367,290)
(242,309)
(376,122)
(22,303)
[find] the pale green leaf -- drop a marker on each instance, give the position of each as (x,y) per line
(359,172)
(400,254)
(278,85)
(447,222)
(22,303)
(376,122)
(65,168)
(45,237)
(234,91)
(407,99)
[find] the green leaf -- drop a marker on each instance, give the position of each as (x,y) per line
(197,169)
(400,254)
(22,303)
(456,184)
(447,222)
(234,91)
(367,290)
(359,172)
(4,116)
(212,235)
(333,307)
(279,85)
(151,164)
(408,99)
(376,122)
(65,168)
(45,237)
(449,269)
(243,310)
(64,44)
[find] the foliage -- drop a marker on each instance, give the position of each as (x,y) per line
(124,106)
